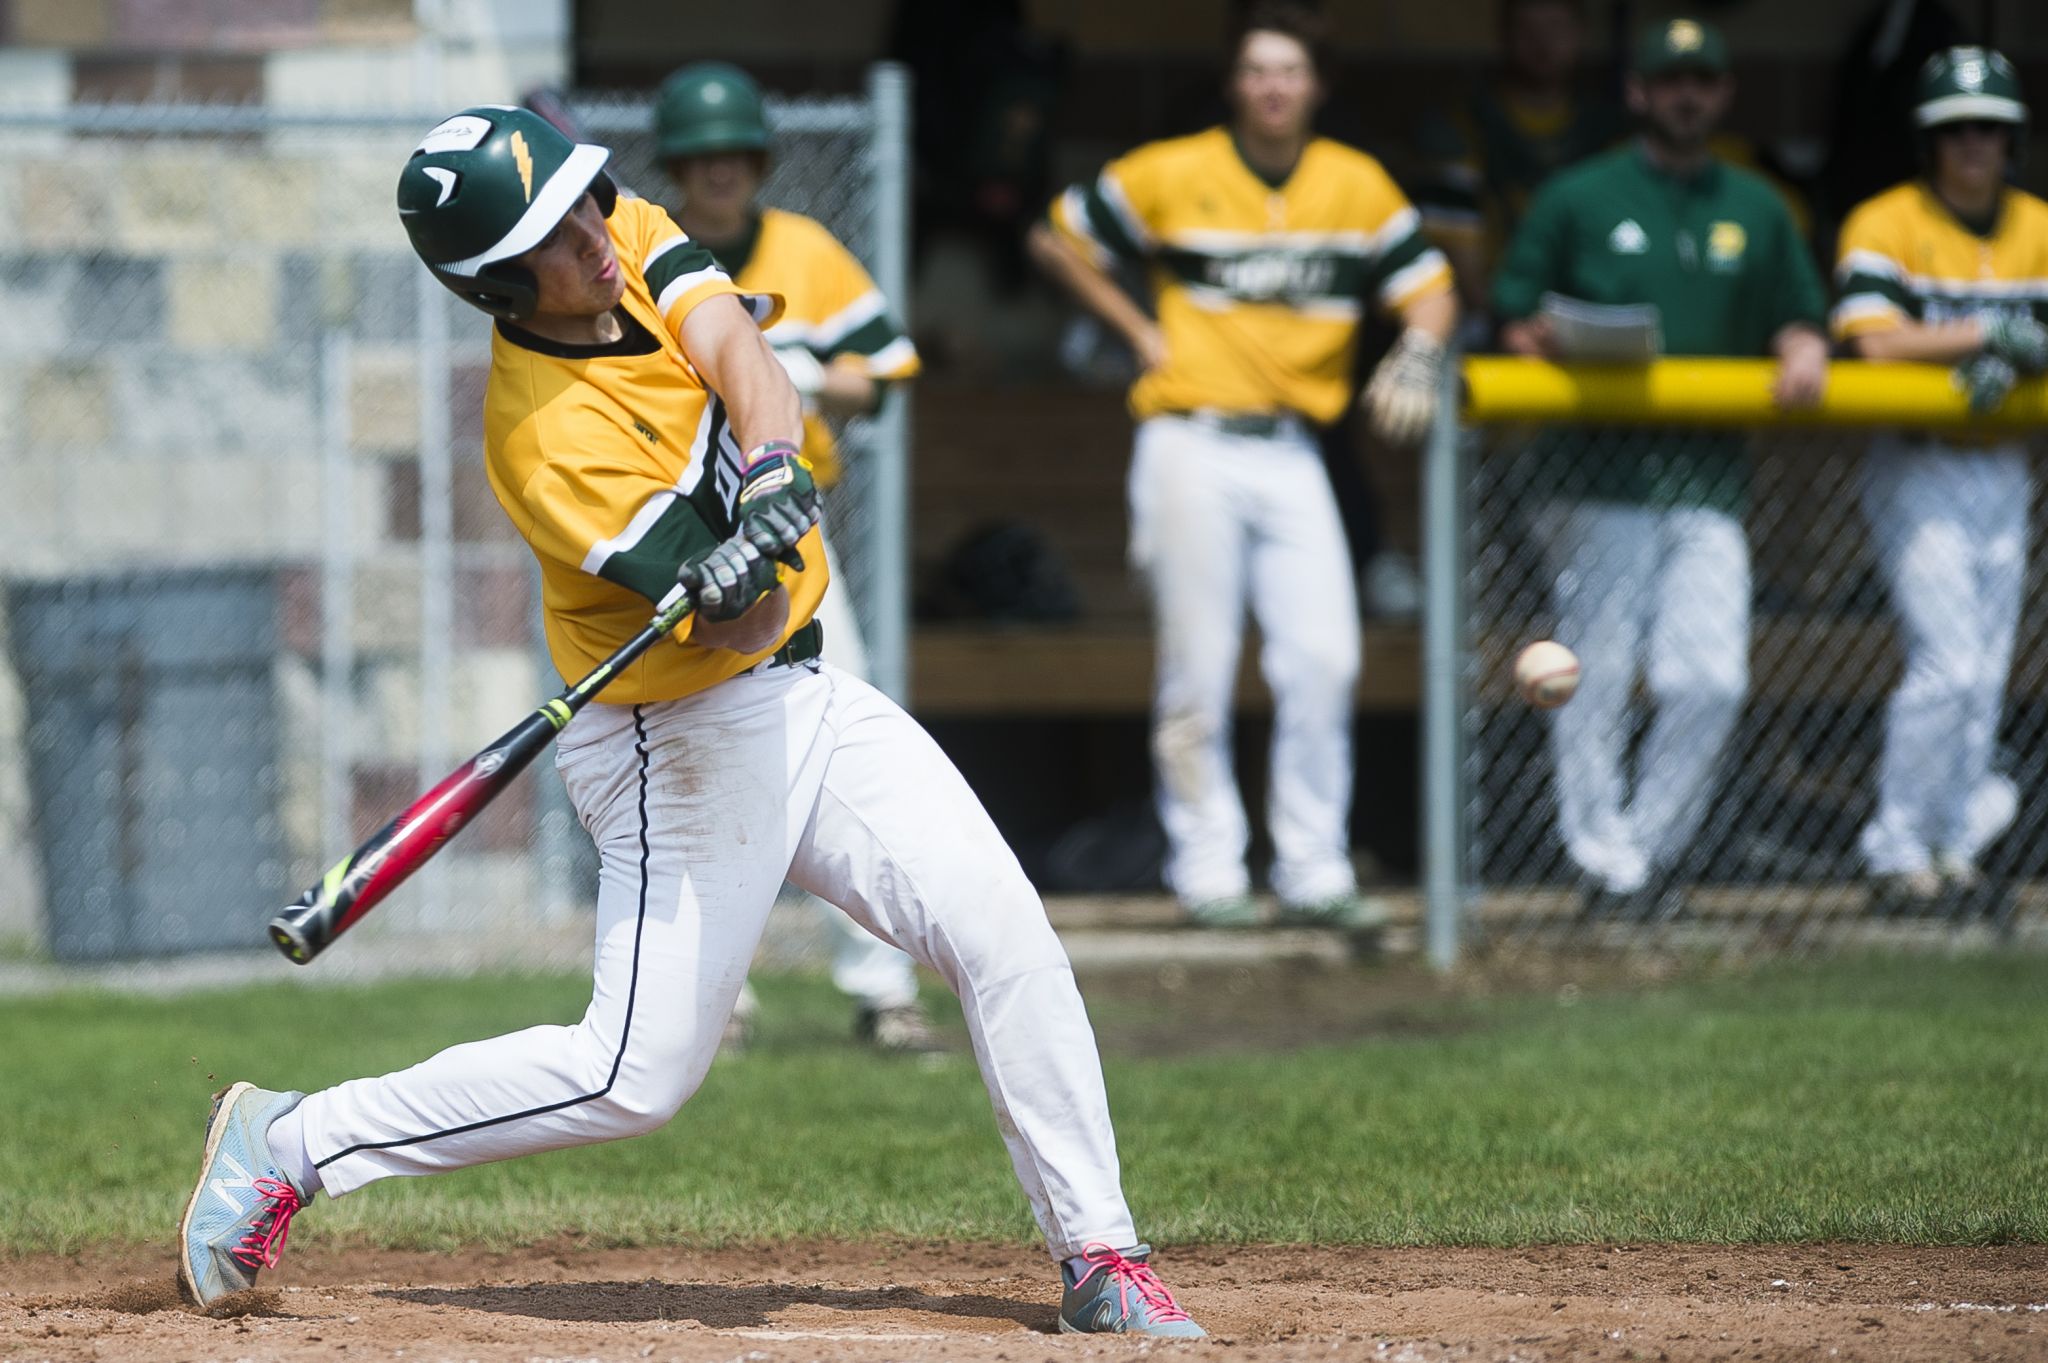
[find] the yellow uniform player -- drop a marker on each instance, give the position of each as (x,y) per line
(1950,268)
(705,780)
(1264,246)
(610,518)
(841,347)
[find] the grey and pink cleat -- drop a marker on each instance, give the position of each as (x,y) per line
(236,1221)
(1120,1294)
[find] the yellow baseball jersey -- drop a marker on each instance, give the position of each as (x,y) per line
(830,307)
(1905,257)
(616,463)
(1260,288)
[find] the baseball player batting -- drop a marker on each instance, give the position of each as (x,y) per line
(1950,268)
(639,432)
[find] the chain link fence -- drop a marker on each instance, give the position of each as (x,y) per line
(1812,698)
(255,591)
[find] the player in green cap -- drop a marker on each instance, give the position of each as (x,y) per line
(1642,529)
(1950,267)
(842,349)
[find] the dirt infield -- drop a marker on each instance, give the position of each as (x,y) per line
(977,1302)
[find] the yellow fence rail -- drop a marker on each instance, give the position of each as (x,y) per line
(1716,392)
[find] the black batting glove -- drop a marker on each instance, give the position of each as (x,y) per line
(728,579)
(778,502)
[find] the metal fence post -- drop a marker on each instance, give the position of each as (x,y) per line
(889,581)
(337,597)
(1442,677)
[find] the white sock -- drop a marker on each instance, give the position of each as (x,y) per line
(287,1140)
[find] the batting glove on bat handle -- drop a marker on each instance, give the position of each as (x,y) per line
(726,581)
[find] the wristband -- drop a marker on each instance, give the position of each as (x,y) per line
(768,449)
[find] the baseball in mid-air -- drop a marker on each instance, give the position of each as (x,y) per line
(1546,674)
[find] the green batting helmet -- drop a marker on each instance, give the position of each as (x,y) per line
(488,185)
(709,107)
(1970,85)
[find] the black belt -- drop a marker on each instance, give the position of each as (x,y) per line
(804,646)
(1256,425)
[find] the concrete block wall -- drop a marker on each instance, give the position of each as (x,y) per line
(164,302)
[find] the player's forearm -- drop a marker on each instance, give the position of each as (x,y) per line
(728,350)
(847,392)
(1799,341)
(1435,316)
(1090,287)
(1928,343)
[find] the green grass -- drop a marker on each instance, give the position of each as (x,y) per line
(1883,1100)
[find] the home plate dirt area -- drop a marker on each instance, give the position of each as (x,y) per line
(983,1302)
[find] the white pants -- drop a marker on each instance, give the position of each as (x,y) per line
(700,808)
(1666,592)
(1951,533)
(864,967)
(1217,520)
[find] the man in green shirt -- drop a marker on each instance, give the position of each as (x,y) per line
(1484,156)
(1641,528)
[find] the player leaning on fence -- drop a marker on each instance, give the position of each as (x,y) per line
(1950,268)
(1264,244)
(638,431)
(1642,529)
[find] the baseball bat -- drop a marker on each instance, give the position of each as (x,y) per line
(360,881)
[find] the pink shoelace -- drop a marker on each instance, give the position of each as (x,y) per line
(264,1243)
(1134,1274)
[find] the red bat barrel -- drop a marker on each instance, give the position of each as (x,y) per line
(359,881)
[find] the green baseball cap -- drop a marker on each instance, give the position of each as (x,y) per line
(1681,45)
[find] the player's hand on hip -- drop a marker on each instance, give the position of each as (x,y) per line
(778,502)
(2017,339)
(726,580)
(1149,345)
(1986,380)
(1402,396)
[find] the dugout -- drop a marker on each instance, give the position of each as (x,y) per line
(1048,719)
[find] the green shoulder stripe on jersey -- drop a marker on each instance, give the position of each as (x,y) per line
(1408,254)
(1399,257)
(684,258)
(1887,287)
(867,338)
(1272,274)
(1105,225)
(649,566)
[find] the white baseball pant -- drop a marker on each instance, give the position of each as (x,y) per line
(1217,520)
(1665,591)
(700,808)
(1950,527)
(864,967)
